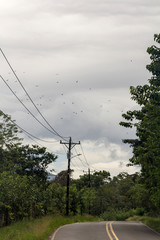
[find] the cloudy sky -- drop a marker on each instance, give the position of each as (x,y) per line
(76,59)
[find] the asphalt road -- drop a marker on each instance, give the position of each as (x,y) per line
(105,231)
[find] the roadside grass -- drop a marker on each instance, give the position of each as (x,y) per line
(40,229)
(151,222)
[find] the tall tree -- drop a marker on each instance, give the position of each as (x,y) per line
(32,161)
(61,177)
(94,180)
(146,147)
(8,140)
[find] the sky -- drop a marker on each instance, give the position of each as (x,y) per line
(77,60)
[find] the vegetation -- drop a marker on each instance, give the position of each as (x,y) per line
(146,148)
(23,175)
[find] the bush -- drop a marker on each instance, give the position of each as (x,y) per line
(120,215)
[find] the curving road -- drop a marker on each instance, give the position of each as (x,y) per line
(105,231)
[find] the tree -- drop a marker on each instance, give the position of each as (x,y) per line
(8,139)
(27,160)
(33,161)
(89,187)
(16,197)
(61,177)
(95,180)
(8,132)
(146,147)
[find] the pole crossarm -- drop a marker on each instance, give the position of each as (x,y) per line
(68,143)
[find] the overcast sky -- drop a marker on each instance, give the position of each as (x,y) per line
(77,60)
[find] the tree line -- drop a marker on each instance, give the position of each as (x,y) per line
(25,190)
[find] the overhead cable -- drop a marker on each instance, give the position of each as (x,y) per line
(83,163)
(23,130)
(55,132)
(39,144)
(26,107)
(84,155)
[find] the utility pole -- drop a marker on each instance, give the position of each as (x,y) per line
(89,185)
(69,145)
(89,176)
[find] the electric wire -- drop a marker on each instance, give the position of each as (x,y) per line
(31,136)
(75,158)
(55,132)
(39,144)
(23,130)
(83,163)
(77,168)
(64,149)
(26,107)
(84,155)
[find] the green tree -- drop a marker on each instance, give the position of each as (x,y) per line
(8,132)
(32,161)
(54,199)
(88,187)
(16,197)
(61,177)
(8,140)
(95,180)
(146,147)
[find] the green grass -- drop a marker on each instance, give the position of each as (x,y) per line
(39,229)
(151,222)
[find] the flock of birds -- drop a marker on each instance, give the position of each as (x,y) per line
(44,100)
(71,105)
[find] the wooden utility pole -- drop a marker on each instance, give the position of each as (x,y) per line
(69,145)
(89,175)
(89,185)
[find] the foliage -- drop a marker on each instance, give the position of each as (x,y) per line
(120,215)
(94,180)
(33,161)
(61,177)
(8,132)
(55,199)
(16,197)
(23,175)
(146,148)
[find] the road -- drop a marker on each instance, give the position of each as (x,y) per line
(105,231)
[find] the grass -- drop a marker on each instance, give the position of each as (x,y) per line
(151,222)
(39,229)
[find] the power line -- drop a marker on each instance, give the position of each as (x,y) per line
(75,162)
(83,163)
(84,155)
(31,136)
(76,167)
(23,130)
(55,132)
(64,149)
(26,107)
(40,144)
